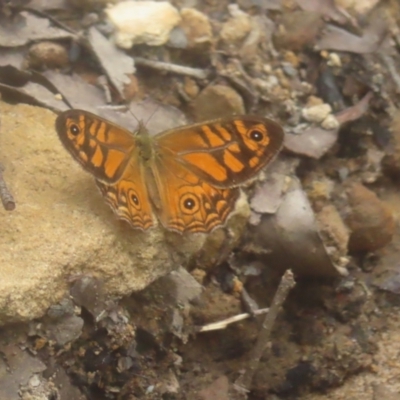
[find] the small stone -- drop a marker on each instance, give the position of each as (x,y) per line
(47,55)
(142,22)
(316,113)
(197,27)
(269,82)
(289,70)
(370,220)
(217,101)
(330,122)
(190,86)
(131,88)
(217,390)
(34,381)
(333,230)
(292,58)
(334,60)
(236,28)
(298,30)
(178,39)
(313,101)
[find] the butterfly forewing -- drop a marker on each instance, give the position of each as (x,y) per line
(227,152)
(101,147)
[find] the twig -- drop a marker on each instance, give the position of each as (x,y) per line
(287,282)
(174,68)
(6,197)
(354,112)
(224,323)
(390,65)
(103,83)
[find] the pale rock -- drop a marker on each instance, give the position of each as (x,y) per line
(142,22)
(316,113)
(330,122)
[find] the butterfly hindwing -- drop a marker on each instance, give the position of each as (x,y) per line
(129,199)
(189,204)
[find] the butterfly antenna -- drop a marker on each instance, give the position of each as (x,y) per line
(153,113)
(140,122)
(134,116)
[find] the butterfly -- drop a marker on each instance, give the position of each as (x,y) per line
(189,177)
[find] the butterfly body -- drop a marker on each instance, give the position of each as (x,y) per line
(189,177)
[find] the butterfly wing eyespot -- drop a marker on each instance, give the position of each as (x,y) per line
(74,129)
(134,199)
(189,203)
(256,135)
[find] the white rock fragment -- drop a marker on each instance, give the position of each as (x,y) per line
(142,22)
(334,60)
(330,122)
(316,113)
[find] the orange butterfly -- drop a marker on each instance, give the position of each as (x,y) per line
(188,176)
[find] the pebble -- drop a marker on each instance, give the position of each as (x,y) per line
(190,86)
(334,60)
(370,221)
(297,30)
(333,230)
(289,69)
(330,122)
(178,39)
(292,58)
(217,101)
(197,27)
(47,55)
(316,113)
(142,22)
(237,27)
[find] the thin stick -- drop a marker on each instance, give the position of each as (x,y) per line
(224,323)
(174,68)
(102,82)
(6,197)
(388,61)
(287,282)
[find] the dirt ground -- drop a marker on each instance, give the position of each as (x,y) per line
(93,309)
